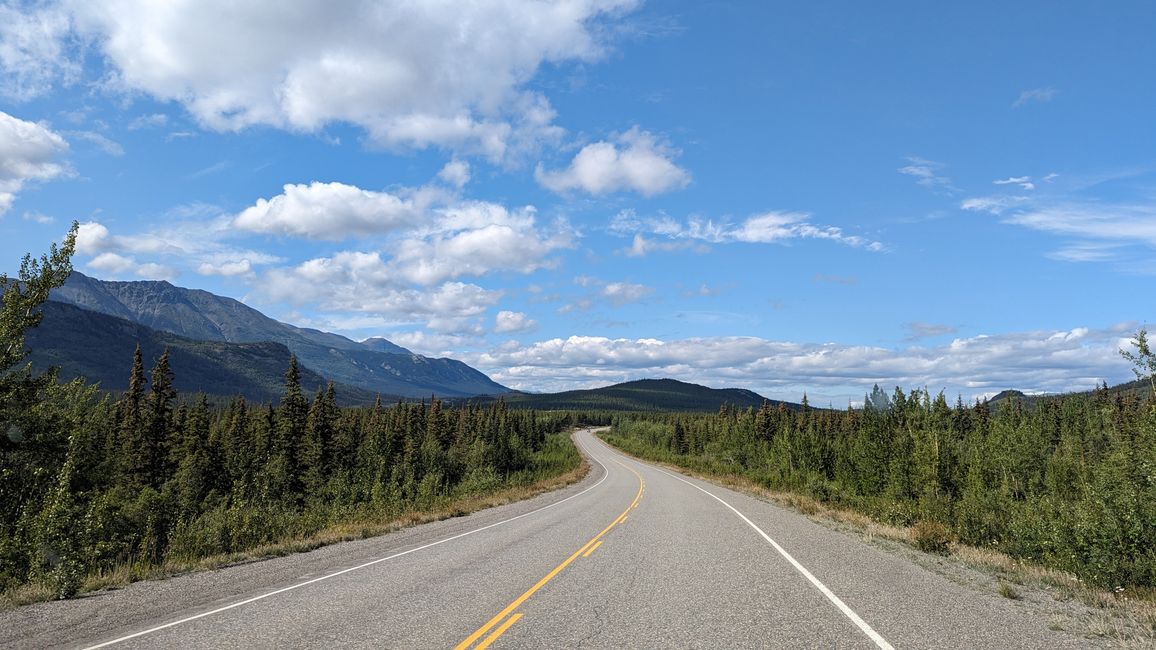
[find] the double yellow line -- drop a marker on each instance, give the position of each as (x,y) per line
(585,551)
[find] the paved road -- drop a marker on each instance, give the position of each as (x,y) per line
(632,557)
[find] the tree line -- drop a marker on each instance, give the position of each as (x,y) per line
(1069,483)
(89,483)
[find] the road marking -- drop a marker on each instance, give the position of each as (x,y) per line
(847,611)
(594,541)
(592,549)
(605,473)
(499,632)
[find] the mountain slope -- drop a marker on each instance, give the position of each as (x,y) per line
(100,348)
(377,365)
(646,395)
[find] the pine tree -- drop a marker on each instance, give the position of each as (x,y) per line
(292,418)
(158,428)
(136,460)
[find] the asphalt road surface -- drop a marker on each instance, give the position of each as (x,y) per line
(632,557)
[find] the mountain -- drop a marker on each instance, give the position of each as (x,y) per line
(377,365)
(645,395)
(100,348)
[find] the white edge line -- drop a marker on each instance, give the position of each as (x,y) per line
(605,473)
(838,602)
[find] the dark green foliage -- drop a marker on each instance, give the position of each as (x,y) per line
(93,485)
(1069,481)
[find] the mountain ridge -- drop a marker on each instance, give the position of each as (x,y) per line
(379,365)
(99,348)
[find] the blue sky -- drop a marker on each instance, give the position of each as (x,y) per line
(786,197)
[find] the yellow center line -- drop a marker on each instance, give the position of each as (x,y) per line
(592,549)
(549,576)
(498,632)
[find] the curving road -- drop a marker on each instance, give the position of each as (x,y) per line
(632,557)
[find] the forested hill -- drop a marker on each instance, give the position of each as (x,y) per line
(1138,390)
(645,395)
(376,366)
(100,348)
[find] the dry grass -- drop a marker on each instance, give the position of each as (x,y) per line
(126,574)
(1126,617)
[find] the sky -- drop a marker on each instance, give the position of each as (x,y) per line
(790,197)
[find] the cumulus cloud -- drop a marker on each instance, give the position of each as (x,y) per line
(766,228)
(456,173)
(115,265)
(360,282)
(477,238)
(509,322)
(1040,95)
(634,161)
(227,269)
(328,211)
(31,152)
(188,236)
(410,74)
(429,235)
(624,293)
(1045,361)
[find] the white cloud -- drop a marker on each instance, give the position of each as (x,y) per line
(1023,181)
(352,281)
(456,173)
(34,50)
(1041,95)
(993,204)
(112,263)
(624,293)
(227,269)
(927,174)
(1122,223)
(190,236)
(410,74)
(149,121)
(38,217)
(635,161)
(31,152)
(328,211)
(766,228)
(641,246)
(982,365)
(116,265)
(509,322)
(110,147)
(477,238)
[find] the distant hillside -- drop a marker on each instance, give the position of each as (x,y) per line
(1138,389)
(100,348)
(644,395)
(376,365)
